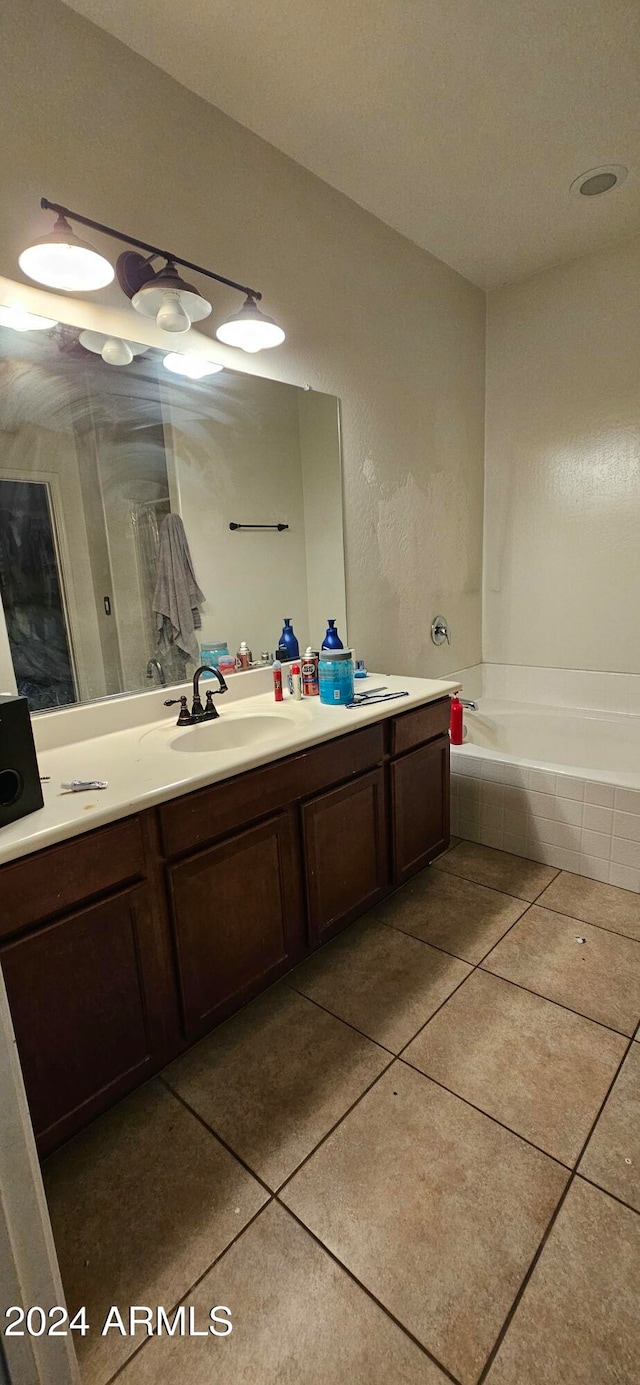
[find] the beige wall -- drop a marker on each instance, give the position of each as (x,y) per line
(562,498)
(242,463)
(370,318)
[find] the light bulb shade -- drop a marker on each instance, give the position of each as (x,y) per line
(250,329)
(114,350)
(194,367)
(62,261)
(22,321)
(173,303)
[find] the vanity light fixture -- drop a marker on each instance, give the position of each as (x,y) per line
(114,350)
(194,367)
(174,304)
(62,260)
(250,329)
(22,321)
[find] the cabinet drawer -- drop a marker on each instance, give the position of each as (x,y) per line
(201,817)
(52,881)
(414,728)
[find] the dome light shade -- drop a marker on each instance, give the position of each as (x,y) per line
(173,303)
(194,367)
(62,261)
(250,329)
(22,321)
(114,350)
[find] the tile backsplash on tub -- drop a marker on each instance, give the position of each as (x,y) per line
(573,823)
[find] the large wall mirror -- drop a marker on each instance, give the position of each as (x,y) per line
(97,460)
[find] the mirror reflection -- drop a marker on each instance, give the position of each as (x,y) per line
(118,486)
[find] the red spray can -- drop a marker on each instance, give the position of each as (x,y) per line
(457,723)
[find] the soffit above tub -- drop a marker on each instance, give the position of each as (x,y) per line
(460,123)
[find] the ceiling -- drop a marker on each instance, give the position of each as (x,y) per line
(461,123)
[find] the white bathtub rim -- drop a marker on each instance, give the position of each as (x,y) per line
(491,706)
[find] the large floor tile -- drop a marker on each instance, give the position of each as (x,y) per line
(605,905)
(599,977)
(435,1208)
(578,1321)
(612,1157)
(275,1078)
(457,915)
(297,1318)
(384,982)
(498,869)
(540,1069)
(141,1204)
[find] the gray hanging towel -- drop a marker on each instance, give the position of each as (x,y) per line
(177,595)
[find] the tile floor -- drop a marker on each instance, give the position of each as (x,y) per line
(415,1160)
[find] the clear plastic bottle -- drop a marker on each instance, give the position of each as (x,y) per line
(335,674)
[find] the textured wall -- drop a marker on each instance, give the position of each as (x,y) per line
(562,498)
(393,332)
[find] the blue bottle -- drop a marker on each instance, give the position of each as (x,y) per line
(332,639)
(288,647)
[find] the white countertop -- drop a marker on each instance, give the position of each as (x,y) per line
(134,743)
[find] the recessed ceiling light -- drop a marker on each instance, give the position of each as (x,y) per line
(598,180)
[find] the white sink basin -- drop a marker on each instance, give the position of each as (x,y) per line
(225,733)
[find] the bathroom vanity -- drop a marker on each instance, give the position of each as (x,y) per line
(123,945)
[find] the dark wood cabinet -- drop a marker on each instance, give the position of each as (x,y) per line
(419,807)
(85,1024)
(236,912)
(345,850)
(123,946)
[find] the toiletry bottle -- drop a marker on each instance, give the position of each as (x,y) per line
(332,639)
(243,657)
(297,682)
(309,673)
(288,647)
(277,681)
(457,724)
(226,664)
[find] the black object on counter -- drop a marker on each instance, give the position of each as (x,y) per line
(20,791)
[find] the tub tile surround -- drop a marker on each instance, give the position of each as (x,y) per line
(462,1208)
(590,827)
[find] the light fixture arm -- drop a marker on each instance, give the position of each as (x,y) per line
(152,250)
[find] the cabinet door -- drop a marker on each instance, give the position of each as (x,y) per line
(83,1026)
(346,856)
(237,919)
(420,807)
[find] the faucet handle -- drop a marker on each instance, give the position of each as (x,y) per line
(184,719)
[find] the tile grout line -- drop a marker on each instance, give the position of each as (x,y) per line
(210,1131)
(580,1013)
(607,1191)
(557,870)
(183,1297)
(554,1216)
(334,1127)
(564,913)
(487,1114)
(379,1304)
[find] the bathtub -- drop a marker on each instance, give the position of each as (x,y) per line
(557,784)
